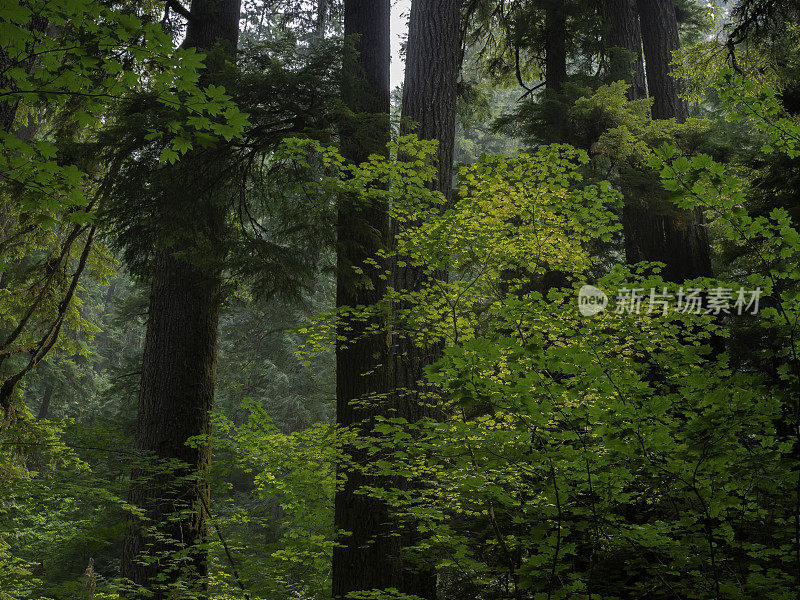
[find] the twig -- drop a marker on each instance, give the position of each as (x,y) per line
(225,547)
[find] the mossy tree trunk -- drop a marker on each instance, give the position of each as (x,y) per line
(179,367)
(433,64)
(658,231)
(367,556)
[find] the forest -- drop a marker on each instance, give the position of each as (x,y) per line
(399,299)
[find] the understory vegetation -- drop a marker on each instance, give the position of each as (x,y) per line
(526,327)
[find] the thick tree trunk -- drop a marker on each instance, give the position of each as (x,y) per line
(622,21)
(555,34)
(677,238)
(555,69)
(178,372)
(366,558)
(660,40)
(433,64)
(175,399)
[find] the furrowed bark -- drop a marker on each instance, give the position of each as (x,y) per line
(660,41)
(622,21)
(366,558)
(672,236)
(176,397)
(433,64)
(178,372)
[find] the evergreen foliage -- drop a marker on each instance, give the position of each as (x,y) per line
(555,455)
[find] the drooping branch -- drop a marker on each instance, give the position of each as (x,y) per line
(5,349)
(49,339)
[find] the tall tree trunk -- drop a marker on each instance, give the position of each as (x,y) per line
(555,69)
(44,407)
(322,19)
(366,558)
(677,238)
(556,129)
(178,370)
(433,63)
(555,42)
(622,21)
(659,26)
(176,396)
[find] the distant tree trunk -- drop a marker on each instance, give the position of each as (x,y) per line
(659,26)
(178,372)
(44,407)
(555,70)
(322,19)
(677,238)
(622,21)
(367,556)
(433,63)
(555,34)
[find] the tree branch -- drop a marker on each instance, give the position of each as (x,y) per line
(50,338)
(180,9)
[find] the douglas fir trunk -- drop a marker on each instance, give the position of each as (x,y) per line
(433,63)
(179,367)
(664,233)
(622,23)
(367,556)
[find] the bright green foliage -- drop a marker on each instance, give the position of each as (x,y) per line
(74,58)
(64,67)
(56,510)
(590,458)
(604,457)
(613,456)
(288,506)
(742,98)
(529,212)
